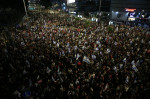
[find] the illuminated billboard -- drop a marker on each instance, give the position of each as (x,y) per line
(70,1)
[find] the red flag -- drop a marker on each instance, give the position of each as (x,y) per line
(40,81)
(148,51)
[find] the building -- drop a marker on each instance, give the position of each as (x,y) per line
(130,10)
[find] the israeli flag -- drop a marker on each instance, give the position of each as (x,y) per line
(22,43)
(97,42)
(77,56)
(93,57)
(53,79)
(108,50)
(54,42)
(127,79)
(57,44)
(86,59)
(134,68)
(97,49)
(124,60)
(115,69)
(133,62)
(58,70)
(48,70)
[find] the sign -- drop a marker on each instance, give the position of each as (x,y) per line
(130,10)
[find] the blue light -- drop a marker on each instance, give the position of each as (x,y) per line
(64,7)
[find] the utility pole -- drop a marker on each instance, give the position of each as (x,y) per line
(25,8)
(100,2)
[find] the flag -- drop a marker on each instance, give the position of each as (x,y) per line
(58,70)
(86,59)
(148,51)
(48,70)
(115,69)
(93,57)
(57,44)
(40,81)
(108,50)
(134,68)
(77,56)
(54,42)
(127,79)
(53,79)
(124,60)
(38,77)
(97,42)
(96,49)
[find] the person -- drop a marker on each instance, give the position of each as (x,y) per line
(48,57)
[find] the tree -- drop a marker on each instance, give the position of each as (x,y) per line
(46,3)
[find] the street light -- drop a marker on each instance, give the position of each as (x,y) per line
(25,8)
(100,1)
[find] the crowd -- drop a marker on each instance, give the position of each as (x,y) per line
(56,56)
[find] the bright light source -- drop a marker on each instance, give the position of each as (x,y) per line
(80,16)
(130,10)
(64,7)
(117,12)
(143,16)
(92,19)
(70,1)
(110,23)
(96,20)
(132,14)
(131,19)
(73,12)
